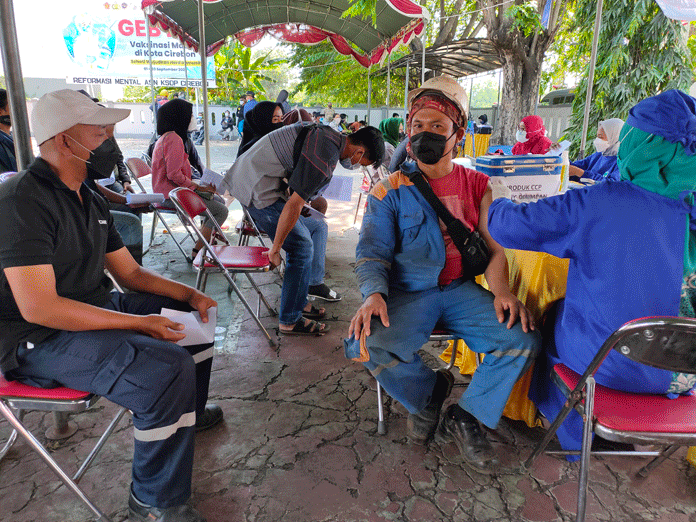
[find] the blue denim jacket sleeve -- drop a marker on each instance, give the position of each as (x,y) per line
(375,251)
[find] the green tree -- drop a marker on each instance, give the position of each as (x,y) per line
(640,53)
(238,69)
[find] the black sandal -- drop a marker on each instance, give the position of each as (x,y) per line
(311,328)
(314,313)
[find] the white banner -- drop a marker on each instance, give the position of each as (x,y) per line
(92,41)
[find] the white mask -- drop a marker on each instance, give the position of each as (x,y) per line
(193,126)
(521,136)
(601,145)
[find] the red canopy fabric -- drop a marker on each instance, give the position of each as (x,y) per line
(308,35)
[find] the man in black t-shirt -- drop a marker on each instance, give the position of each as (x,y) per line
(60,325)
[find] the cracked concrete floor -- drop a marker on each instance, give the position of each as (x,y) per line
(299,439)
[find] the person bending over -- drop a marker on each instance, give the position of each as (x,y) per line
(256,180)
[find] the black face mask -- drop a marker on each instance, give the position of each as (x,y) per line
(102,160)
(429,147)
(5,120)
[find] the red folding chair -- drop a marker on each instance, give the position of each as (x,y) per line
(223,258)
(61,401)
(668,343)
(438,335)
(139,169)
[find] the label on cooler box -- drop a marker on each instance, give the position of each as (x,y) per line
(530,188)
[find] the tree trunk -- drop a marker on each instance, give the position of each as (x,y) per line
(519,95)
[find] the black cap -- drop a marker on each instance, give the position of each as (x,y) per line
(250,93)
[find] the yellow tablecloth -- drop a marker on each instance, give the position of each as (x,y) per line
(538,279)
(481,141)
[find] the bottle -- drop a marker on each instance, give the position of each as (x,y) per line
(565,170)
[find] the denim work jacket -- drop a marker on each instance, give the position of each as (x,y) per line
(401,245)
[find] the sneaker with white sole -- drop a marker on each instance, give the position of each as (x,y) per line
(324,292)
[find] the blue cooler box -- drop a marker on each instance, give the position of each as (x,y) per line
(529,177)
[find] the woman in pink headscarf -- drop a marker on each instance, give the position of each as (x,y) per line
(531,137)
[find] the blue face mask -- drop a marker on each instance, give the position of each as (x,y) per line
(348,164)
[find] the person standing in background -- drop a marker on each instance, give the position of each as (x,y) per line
(8,161)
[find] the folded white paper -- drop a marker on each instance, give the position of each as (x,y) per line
(196,331)
(210,177)
(136,199)
(562,146)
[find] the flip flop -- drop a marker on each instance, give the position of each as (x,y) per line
(314,313)
(312,328)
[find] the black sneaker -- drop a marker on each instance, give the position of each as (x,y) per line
(421,426)
(211,417)
(324,292)
(461,426)
(139,512)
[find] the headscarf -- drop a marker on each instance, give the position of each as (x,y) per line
(612,128)
(390,129)
(257,123)
(296,115)
(433,100)
(537,142)
(175,115)
(659,161)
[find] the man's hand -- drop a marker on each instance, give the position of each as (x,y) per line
(201,302)
(575,171)
(127,187)
(273,257)
(160,328)
(373,305)
(508,301)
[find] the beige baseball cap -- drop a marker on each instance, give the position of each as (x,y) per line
(450,89)
(57,111)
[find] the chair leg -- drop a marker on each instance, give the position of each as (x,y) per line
(199,278)
(204,281)
(100,443)
(232,284)
(262,297)
(46,457)
(381,426)
(13,436)
(153,228)
(171,234)
(586,449)
(61,429)
(664,455)
(357,208)
(453,358)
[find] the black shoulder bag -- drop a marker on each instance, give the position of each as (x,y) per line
(474,250)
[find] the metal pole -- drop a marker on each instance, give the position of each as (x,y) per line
(152,77)
(423,60)
(590,77)
(369,95)
(204,79)
(15,86)
(388,79)
(186,84)
(408,64)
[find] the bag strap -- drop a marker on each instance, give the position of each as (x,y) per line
(416,176)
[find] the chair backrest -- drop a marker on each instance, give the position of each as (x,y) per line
(138,167)
(7,175)
(668,343)
(188,201)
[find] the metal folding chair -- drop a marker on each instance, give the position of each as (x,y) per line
(369,180)
(223,258)
(139,169)
(668,343)
(438,335)
(61,401)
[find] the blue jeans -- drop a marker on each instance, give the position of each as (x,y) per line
(305,247)
(466,310)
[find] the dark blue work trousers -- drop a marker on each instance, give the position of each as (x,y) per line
(163,384)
